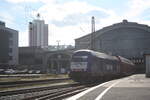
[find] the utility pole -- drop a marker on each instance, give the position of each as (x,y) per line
(92,33)
(58,41)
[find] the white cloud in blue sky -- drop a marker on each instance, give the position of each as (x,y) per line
(70,19)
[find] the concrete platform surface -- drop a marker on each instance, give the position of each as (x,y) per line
(135,87)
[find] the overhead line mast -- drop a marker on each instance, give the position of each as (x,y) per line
(93,24)
(92,33)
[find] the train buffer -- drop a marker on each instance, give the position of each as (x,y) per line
(135,87)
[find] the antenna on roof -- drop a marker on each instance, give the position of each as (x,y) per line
(38,15)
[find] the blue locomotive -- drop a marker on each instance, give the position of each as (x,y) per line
(90,65)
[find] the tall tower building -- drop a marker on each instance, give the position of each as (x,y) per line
(38,33)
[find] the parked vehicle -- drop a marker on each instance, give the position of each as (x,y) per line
(2,71)
(10,71)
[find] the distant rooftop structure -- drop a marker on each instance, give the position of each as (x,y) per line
(2,23)
(60,47)
(38,15)
(125,21)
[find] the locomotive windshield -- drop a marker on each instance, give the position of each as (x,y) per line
(79,58)
(79,63)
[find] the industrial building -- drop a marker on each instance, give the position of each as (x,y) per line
(127,39)
(38,33)
(31,57)
(8,46)
(36,58)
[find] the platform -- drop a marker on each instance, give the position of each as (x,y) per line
(135,87)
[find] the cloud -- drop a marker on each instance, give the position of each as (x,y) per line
(8,19)
(65,34)
(76,19)
(58,12)
(136,8)
(134,12)
(21,1)
(33,1)
(71,19)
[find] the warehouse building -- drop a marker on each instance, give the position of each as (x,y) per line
(127,39)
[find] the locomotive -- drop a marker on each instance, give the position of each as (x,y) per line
(92,65)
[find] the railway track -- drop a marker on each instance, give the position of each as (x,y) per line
(43,93)
(36,88)
(58,94)
(33,82)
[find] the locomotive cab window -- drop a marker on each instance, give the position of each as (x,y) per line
(79,58)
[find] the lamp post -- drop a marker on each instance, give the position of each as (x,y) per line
(58,63)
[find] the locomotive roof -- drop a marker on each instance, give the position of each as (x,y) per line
(125,60)
(105,56)
(98,54)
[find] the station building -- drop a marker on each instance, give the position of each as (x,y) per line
(8,46)
(128,39)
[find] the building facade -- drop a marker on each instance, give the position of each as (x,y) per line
(127,39)
(8,45)
(38,33)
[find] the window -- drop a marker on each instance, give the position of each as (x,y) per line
(10,34)
(10,42)
(10,49)
(109,67)
(79,58)
(10,57)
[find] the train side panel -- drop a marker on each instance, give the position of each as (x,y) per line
(126,66)
(96,66)
(110,69)
(105,68)
(126,69)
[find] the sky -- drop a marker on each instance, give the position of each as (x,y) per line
(71,19)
